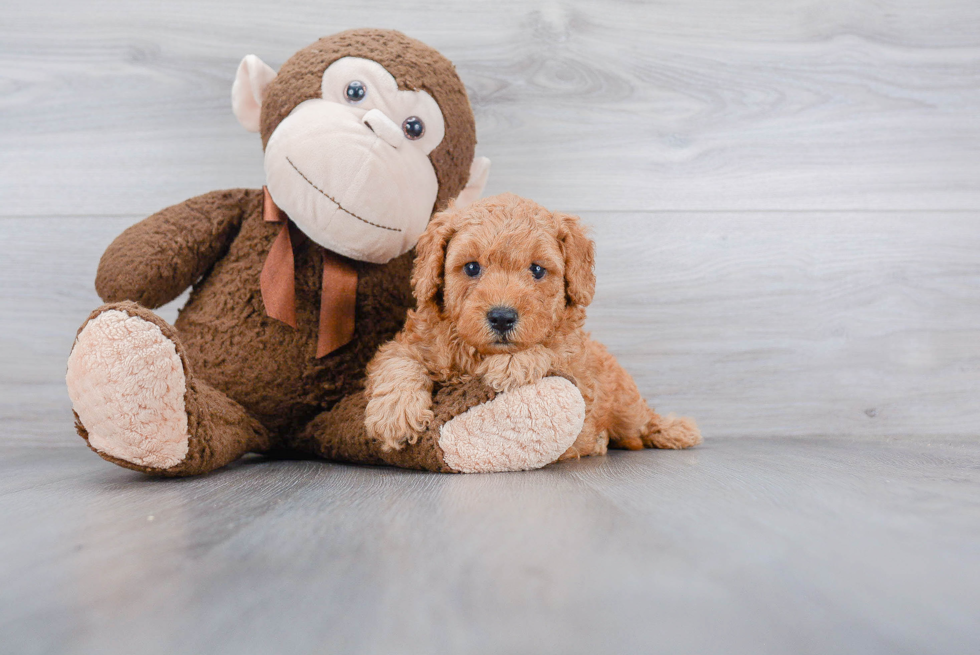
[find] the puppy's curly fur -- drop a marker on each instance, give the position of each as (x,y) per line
(508,254)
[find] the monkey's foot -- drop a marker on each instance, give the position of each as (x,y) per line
(523,429)
(127,384)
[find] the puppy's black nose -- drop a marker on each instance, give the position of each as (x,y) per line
(502,319)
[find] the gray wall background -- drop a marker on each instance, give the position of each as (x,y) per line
(784,194)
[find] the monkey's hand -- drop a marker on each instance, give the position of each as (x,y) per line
(399,392)
(507,372)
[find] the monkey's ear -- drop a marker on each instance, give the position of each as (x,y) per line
(579,252)
(430,257)
(479,172)
(251,81)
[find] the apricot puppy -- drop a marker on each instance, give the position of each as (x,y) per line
(501,289)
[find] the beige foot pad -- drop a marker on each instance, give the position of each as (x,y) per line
(524,429)
(127,384)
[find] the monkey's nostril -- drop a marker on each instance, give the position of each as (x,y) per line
(384,127)
(502,319)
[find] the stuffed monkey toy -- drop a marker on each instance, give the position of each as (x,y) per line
(366,134)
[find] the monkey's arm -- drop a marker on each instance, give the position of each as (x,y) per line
(153,261)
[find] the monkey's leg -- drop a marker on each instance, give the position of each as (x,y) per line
(475,430)
(138,405)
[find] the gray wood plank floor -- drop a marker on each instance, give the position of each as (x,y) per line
(744,545)
(784,196)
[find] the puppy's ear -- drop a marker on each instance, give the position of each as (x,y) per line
(579,252)
(430,257)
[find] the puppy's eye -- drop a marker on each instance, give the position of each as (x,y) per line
(537,271)
(471,268)
(355,92)
(413,127)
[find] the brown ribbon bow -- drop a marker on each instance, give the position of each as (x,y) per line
(338,291)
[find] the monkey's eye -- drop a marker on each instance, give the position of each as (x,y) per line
(537,271)
(355,92)
(413,127)
(471,268)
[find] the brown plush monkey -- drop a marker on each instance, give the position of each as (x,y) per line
(366,134)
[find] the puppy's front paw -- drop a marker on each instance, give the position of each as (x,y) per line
(398,418)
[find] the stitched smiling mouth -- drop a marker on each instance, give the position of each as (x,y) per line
(331,199)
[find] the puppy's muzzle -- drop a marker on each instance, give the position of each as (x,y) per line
(502,319)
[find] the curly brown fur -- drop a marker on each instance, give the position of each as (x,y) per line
(449,337)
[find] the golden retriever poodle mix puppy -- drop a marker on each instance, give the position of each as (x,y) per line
(501,289)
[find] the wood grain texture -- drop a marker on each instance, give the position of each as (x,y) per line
(751,546)
(770,325)
(615,105)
